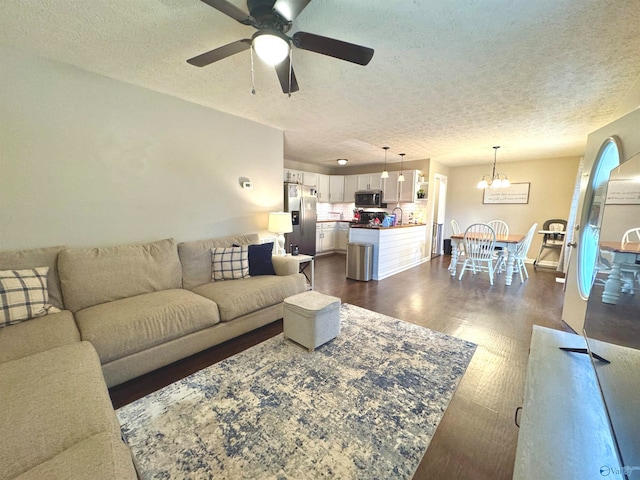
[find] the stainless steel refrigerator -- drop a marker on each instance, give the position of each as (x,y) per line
(301,202)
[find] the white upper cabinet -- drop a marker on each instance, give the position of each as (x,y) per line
(408,187)
(293,176)
(336,188)
(368,181)
(323,188)
(350,187)
(390,189)
(310,179)
(342,188)
(395,192)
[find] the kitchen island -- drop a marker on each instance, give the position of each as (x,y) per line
(395,249)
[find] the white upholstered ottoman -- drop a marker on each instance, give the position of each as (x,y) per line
(311,318)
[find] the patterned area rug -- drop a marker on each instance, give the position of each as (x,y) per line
(364,405)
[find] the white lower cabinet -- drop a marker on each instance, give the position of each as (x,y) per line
(342,237)
(330,236)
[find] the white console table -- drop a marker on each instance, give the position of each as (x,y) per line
(564,432)
(304,261)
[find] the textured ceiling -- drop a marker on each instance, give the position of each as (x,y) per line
(449,78)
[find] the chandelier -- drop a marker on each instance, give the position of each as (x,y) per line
(495,180)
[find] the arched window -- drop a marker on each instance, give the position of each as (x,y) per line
(608,158)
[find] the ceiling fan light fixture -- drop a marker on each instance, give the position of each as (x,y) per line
(271,46)
(342,161)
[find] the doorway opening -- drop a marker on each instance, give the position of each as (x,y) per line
(439,205)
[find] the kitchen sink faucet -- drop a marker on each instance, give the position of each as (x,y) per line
(393,213)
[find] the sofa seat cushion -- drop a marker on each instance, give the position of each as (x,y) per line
(101,457)
(53,400)
(123,327)
(37,335)
(240,297)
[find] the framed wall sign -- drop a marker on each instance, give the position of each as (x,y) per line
(515,193)
(623,192)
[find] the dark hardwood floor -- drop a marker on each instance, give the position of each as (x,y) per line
(477,436)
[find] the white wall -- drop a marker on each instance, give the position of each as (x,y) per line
(90,161)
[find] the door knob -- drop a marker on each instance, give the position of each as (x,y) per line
(572,244)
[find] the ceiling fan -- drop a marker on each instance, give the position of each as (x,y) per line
(273,19)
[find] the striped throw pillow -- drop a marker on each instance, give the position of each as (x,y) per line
(230,263)
(23,295)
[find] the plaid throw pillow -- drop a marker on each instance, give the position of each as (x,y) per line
(230,263)
(23,295)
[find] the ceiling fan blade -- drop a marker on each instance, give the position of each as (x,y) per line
(290,9)
(219,53)
(282,69)
(231,10)
(333,48)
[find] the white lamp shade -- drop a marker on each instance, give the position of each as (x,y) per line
(401,178)
(270,47)
(482,184)
(280,222)
(385,174)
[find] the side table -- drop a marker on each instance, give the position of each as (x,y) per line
(304,261)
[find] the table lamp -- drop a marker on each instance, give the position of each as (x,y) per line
(280,223)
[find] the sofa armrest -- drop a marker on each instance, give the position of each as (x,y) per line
(285,265)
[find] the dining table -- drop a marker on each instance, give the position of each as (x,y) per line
(509,244)
(625,256)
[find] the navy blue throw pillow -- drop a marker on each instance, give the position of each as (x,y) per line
(260,259)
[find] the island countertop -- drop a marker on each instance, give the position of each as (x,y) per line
(380,227)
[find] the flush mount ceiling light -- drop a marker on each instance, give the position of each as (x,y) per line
(385,174)
(401,177)
(271,46)
(495,180)
(342,161)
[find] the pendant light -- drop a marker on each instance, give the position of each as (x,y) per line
(496,180)
(385,174)
(401,177)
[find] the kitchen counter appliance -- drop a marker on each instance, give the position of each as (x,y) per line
(369,199)
(365,217)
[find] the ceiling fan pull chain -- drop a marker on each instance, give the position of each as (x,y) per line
(290,69)
(253,80)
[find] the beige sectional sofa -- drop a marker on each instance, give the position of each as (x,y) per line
(125,311)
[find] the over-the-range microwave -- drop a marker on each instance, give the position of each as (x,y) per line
(369,199)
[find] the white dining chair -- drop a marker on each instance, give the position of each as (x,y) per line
(631,235)
(502,231)
(630,272)
(521,253)
(479,244)
(455,230)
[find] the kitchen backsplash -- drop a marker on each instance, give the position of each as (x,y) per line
(344,211)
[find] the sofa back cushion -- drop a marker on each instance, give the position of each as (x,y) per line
(97,275)
(195,257)
(33,258)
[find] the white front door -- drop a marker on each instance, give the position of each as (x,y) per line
(585,237)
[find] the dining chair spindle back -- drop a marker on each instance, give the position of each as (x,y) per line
(502,231)
(521,253)
(479,244)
